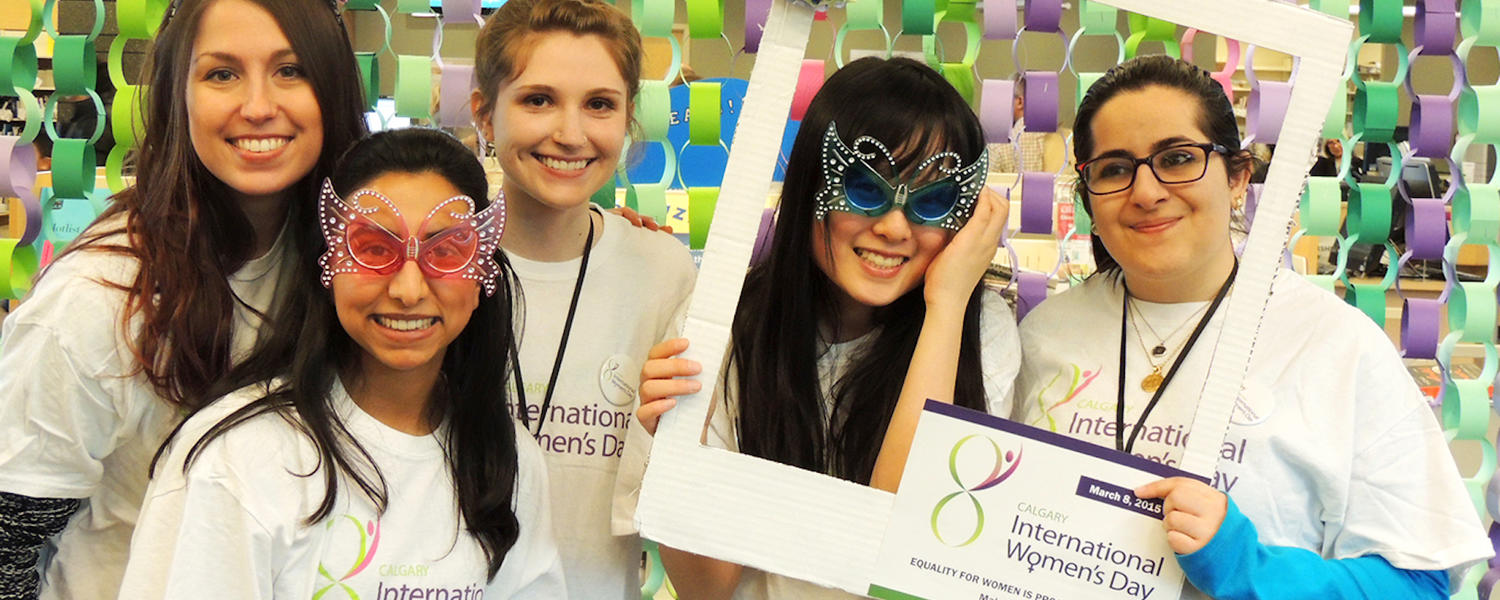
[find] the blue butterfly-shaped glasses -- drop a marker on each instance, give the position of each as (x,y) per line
(851,185)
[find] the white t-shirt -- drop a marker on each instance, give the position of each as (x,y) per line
(1331,447)
(999,358)
(234,526)
(77,419)
(636,284)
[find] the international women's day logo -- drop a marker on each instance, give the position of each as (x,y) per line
(369,542)
(1080,378)
(1005,464)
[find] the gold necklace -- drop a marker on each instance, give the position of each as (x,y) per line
(1161,346)
(1154,379)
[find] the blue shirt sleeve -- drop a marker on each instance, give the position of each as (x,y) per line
(1235,566)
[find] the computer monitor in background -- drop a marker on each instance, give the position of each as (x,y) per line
(1377,170)
(1371,153)
(1421,179)
(1419,175)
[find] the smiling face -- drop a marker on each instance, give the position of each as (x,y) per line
(1163,234)
(873,261)
(1334,147)
(559,125)
(252,115)
(405,320)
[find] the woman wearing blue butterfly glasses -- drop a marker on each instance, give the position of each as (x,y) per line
(869,303)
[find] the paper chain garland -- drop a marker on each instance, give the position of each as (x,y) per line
(1475,207)
(54,215)
(1443,127)
(414,94)
(18,69)
(1476,220)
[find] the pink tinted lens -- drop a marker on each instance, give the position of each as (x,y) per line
(451,250)
(372,247)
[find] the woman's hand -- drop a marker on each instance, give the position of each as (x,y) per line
(933,371)
(954,272)
(659,386)
(1192,511)
(640,220)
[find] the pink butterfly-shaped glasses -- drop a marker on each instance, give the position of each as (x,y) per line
(357,244)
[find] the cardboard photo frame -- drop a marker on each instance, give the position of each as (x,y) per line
(810,526)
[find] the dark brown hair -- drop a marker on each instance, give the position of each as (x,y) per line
(180,223)
(471,400)
(1215,118)
(508,36)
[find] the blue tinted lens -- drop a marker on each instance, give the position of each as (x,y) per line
(862,190)
(935,201)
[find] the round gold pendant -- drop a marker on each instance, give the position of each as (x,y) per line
(1151,382)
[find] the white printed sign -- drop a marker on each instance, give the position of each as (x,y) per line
(991,509)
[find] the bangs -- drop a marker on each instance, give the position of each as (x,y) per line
(912,131)
(910,144)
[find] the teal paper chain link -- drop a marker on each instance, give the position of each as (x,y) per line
(73,199)
(18,155)
(653,109)
(1475,208)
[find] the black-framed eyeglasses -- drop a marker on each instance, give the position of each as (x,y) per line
(1183,163)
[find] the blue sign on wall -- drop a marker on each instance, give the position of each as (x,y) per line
(699,166)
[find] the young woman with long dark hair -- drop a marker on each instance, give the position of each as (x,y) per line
(249,104)
(869,303)
(381,448)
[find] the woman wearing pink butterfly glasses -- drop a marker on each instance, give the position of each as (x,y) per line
(556,86)
(247,103)
(378,456)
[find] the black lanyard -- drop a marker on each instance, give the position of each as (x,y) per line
(562,345)
(1120,443)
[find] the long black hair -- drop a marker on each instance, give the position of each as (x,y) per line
(1215,118)
(480,439)
(774,353)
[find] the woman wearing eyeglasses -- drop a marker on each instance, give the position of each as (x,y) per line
(869,304)
(1334,480)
